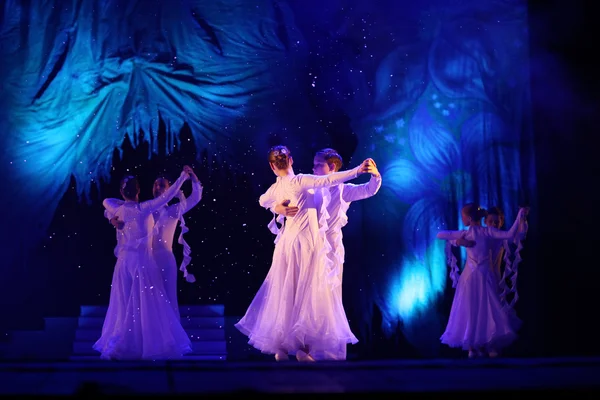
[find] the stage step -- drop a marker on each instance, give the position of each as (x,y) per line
(186,322)
(198,348)
(62,338)
(205,325)
(55,341)
(195,357)
(195,334)
(212,310)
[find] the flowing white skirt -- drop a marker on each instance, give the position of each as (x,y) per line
(336,255)
(140,322)
(167,264)
(296,306)
(477,319)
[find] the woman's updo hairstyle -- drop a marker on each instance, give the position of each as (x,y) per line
(280,156)
(130,187)
(474,211)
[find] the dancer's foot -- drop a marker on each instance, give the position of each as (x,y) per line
(492,354)
(472,352)
(303,356)
(281,355)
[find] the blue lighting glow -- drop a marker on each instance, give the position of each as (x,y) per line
(437,92)
(80,76)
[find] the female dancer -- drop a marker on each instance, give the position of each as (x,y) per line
(477,320)
(140,322)
(295,309)
(494,218)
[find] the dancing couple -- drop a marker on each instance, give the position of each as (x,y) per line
(481,321)
(143,321)
(298,309)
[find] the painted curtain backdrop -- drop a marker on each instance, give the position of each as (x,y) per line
(436,91)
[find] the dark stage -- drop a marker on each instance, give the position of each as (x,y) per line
(59,360)
(494,102)
(221,377)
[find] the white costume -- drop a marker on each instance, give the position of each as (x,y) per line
(165,223)
(340,198)
(140,322)
(296,305)
(478,318)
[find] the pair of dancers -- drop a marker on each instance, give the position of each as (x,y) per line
(143,321)
(298,309)
(481,322)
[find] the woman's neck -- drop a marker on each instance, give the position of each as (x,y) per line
(286,172)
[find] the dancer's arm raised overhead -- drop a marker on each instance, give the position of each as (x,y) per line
(152,205)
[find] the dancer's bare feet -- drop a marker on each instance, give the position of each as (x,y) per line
(492,354)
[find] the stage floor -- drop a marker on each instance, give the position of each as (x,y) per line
(221,377)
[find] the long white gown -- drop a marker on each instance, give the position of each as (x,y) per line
(477,317)
(296,306)
(338,199)
(165,222)
(497,248)
(140,322)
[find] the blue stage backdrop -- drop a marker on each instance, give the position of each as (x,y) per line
(437,92)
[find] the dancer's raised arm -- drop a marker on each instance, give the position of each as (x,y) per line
(512,232)
(162,200)
(196,195)
(319,181)
(450,235)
